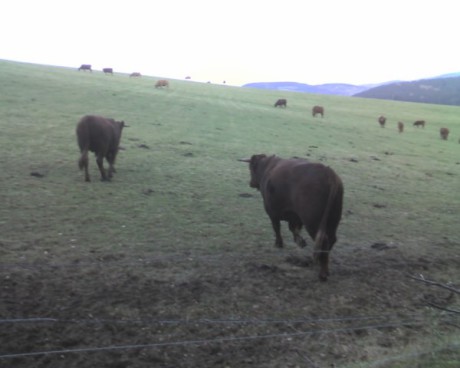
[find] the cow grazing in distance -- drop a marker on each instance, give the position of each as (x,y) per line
(135,75)
(101,136)
(108,71)
(85,67)
(382,120)
(282,102)
(419,123)
(400,126)
(444,132)
(162,83)
(303,193)
(317,110)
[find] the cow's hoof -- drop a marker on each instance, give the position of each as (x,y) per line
(322,278)
(302,243)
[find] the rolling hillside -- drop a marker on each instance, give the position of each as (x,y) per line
(338,89)
(173,264)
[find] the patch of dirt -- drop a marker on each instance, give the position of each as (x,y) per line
(265,309)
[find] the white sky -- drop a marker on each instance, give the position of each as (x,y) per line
(239,41)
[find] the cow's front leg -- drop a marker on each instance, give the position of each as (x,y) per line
(100,164)
(277,229)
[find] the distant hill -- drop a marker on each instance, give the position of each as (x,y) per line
(327,89)
(443,90)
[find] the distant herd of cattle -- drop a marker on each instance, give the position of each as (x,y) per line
(443,132)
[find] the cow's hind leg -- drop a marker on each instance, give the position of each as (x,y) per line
(277,229)
(100,165)
(83,163)
(295,225)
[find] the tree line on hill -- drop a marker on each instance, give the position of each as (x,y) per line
(443,91)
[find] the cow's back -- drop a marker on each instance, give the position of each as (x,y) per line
(304,188)
(95,133)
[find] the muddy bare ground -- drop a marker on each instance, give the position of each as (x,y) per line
(225,310)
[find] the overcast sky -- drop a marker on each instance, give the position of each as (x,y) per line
(239,41)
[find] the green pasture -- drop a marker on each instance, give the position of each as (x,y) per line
(179,188)
(178,181)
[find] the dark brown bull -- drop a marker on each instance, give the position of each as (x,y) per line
(444,132)
(303,194)
(382,120)
(101,136)
(282,102)
(162,83)
(317,110)
(400,126)
(85,67)
(108,71)
(420,123)
(135,75)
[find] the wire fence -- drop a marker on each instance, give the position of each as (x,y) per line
(302,324)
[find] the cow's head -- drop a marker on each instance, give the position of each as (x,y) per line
(254,164)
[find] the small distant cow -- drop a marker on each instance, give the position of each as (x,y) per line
(85,67)
(400,126)
(162,83)
(317,110)
(101,136)
(135,75)
(382,120)
(419,123)
(282,102)
(108,71)
(444,132)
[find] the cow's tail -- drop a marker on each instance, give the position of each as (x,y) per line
(322,240)
(83,161)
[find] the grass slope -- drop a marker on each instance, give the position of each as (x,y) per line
(179,191)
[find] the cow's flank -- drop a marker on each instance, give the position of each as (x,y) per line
(101,136)
(108,71)
(304,194)
(282,102)
(317,110)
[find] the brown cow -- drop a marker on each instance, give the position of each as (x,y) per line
(317,110)
(400,126)
(108,71)
(101,136)
(420,123)
(282,102)
(85,67)
(162,83)
(135,75)
(444,132)
(382,120)
(302,193)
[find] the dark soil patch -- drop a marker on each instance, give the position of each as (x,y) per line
(236,310)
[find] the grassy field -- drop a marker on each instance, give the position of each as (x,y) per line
(174,258)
